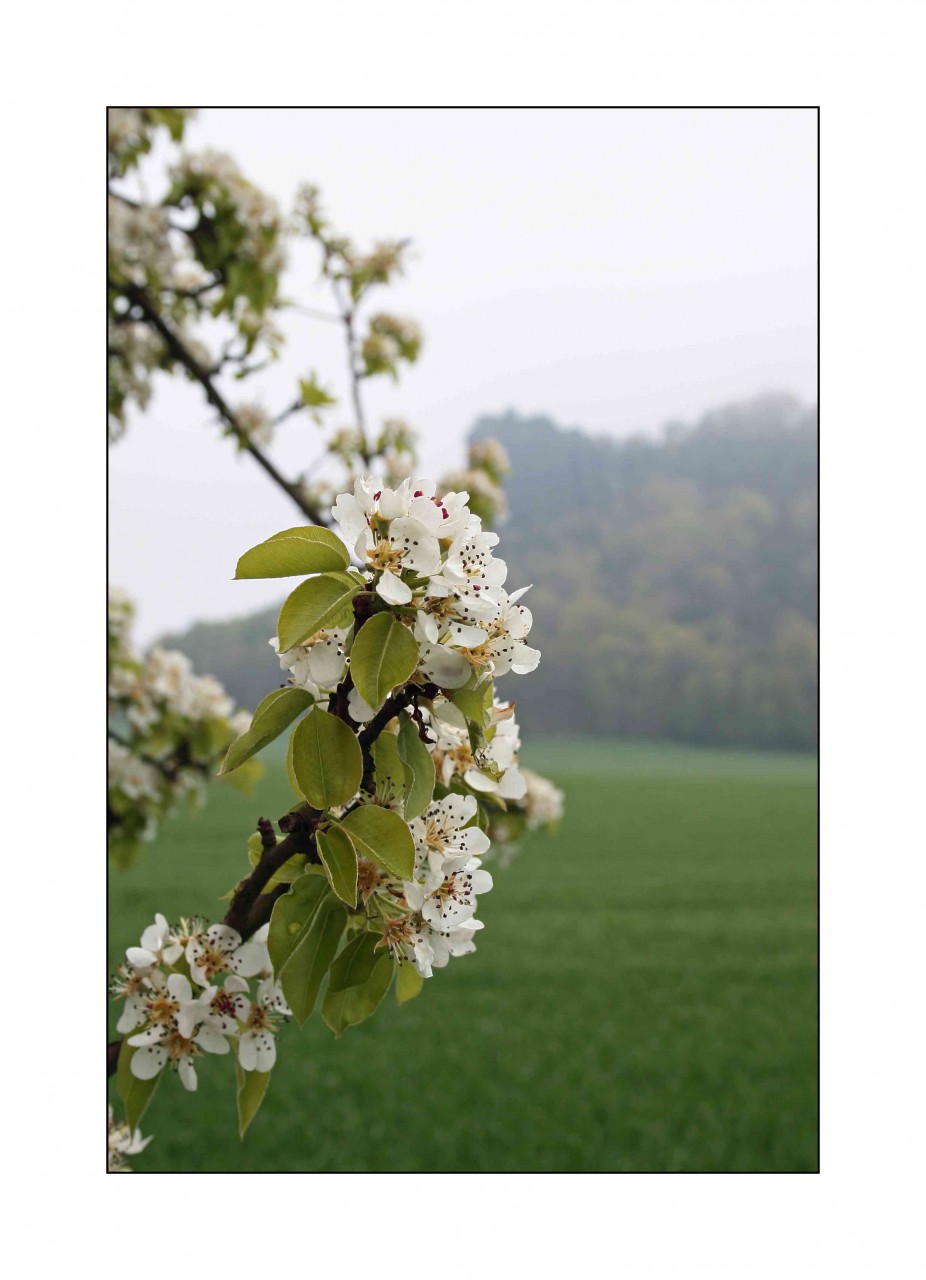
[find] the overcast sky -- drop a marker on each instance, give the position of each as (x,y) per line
(613,269)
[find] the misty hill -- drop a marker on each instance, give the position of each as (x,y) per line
(675,580)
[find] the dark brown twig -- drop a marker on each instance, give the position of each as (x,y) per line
(179,350)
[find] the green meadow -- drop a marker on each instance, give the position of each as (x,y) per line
(644,997)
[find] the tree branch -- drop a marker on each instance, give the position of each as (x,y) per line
(247,912)
(170,765)
(346,310)
(179,350)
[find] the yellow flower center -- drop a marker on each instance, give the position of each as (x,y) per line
(398,932)
(178,1046)
(259,1019)
(212,961)
(479,656)
(163,1009)
(386,556)
(369,877)
(434,836)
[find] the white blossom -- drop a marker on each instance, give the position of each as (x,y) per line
(257,1049)
(473,574)
(252,958)
(130,986)
(229,1005)
(135,778)
(157,947)
(501,647)
(397,531)
(492,770)
(176,1033)
(544,800)
(318,662)
(448,875)
(121,1142)
(255,422)
(358,708)
(212,953)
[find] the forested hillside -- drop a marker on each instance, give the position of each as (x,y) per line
(675,580)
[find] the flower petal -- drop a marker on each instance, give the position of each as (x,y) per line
(187,1073)
(393,589)
(146,1063)
(247,1051)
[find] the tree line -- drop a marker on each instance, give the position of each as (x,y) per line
(695,614)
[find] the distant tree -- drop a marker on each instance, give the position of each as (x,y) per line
(701,545)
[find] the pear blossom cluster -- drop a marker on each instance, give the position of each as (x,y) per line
(441,900)
(431,555)
(121,1142)
(167,729)
(483,478)
(141,247)
(210,245)
(213,180)
(490,770)
(430,558)
(130,132)
(543,801)
(389,340)
(256,424)
(186,991)
(135,352)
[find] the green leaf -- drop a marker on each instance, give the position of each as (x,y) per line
(135,1094)
(348,1007)
(388,769)
(408,983)
(267,702)
(419,769)
(306,549)
(383,835)
(340,862)
(320,602)
(277,711)
(384,655)
(292,917)
(252,1085)
(244,778)
(355,963)
(308,962)
(290,771)
(473,699)
(327,760)
(208,738)
(312,394)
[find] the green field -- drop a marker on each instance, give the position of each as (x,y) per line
(644,997)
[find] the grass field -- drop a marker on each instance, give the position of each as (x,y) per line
(644,997)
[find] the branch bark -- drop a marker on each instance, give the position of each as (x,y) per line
(250,907)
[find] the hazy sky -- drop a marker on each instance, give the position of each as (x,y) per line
(613,269)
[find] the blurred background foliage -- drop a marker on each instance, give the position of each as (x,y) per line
(676,580)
